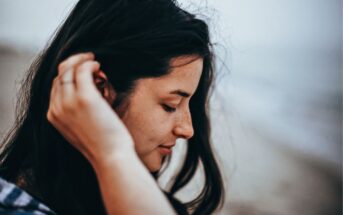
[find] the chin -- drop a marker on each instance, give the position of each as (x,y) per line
(153,162)
(154,167)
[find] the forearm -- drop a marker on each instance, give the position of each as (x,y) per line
(127,187)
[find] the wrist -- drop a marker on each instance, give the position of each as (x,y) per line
(108,157)
(106,144)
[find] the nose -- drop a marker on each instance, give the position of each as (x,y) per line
(184,127)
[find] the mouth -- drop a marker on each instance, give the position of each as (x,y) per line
(166,149)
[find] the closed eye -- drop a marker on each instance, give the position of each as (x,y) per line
(168,109)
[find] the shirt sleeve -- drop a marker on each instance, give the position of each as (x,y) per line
(16,201)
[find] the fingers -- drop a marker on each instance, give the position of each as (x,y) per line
(72,89)
(73,61)
(66,73)
(52,103)
(67,86)
(70,69)
(64,88)
(84,76)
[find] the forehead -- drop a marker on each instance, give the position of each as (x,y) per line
(185,67)
(185,75)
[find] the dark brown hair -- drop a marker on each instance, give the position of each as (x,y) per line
(132,39)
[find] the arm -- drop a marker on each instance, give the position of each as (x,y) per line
(127,187)
(87,121)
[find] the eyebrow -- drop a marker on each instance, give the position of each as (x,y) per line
(181,93)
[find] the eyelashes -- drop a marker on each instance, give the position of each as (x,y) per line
(168,109)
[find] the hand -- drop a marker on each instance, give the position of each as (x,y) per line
(80,113)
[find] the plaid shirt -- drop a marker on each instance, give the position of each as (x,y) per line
(15,201)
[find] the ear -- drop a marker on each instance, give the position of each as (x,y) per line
(105,87)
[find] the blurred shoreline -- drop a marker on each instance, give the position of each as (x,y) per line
(263,174)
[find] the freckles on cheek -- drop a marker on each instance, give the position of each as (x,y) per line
(141,127)
(148,123)
(155,132)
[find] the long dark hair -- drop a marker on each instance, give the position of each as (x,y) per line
(131,39)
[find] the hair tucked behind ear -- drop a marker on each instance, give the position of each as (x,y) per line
(132,39)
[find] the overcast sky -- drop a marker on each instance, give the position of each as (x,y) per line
(304,23)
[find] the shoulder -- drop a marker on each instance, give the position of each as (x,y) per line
(16,201)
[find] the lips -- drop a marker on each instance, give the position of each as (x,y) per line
(166,149)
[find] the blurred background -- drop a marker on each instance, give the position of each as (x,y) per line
(277,107)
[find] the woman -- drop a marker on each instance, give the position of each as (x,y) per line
(82,148)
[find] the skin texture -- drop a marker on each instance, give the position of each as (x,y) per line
(78,110)
(156,116)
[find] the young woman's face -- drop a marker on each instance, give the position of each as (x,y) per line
(158,111)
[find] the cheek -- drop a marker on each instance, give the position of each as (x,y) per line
(149,129)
